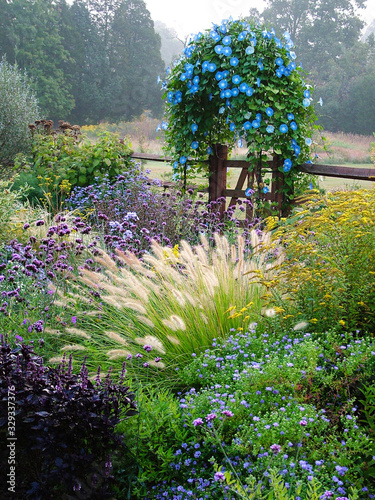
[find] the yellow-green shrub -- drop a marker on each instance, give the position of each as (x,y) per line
(328,276)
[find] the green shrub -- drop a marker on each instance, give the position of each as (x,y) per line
(62,159)
(18,108)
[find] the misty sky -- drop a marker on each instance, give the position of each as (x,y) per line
(197,15)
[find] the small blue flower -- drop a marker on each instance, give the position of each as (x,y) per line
(219,49)
(211,67)
(255,124)
(239,143)
(270,129)
(243,87)
(265,189)
(209,150)
(223,84)
(283,128)
(260,66)
(279,61)
(235,92)
(308,141)
(293,125)
(234,61)
(221,110)
(287,165)
(232,127)
(182,159)
(279,73)
(227,93)
(227,40)
(215,35)
(194,128)
(236,79)
(183,77)
(249,91)
(175,164)
(258,82)
(242,36)
(227,51)
(306,102)
(194,144)
(219,76)
(269,111)
(290,116)
(247,125)
(249,50)
(307,94)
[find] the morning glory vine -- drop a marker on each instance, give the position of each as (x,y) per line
(237,83)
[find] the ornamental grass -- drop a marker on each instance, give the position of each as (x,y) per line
(173,302)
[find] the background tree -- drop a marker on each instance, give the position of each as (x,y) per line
(32,40)
(171,44)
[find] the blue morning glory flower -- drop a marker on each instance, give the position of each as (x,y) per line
(265,189)
(215,36)
(239,143)
(283,128)
(293,125)
(227,93)
(269,111)
(260,66)
(194,128)
(234,61)
(227,51)
(306,102)
(311,185)
(223,28)
(235,92)
(223,84)
(270,129)
(232,127)
(222,94)
(236,79)
(308,141)
(219,76)
(221,110)
(242,36)
(255,124)
(209,150)
(219,49)
(170,96)
(306,93)
(227,40)
(182,159)
(194,144)
(258,82)
(292,55)
(279,73)
(290,116)
(175,164)
(225,73)
(211,67)
(205,66)
(194,89)
(297,150)
(249,50)
(247,125)
(279,61)
(258,116)
(210,96)
(249,91)
(287,165)
(183,77)
(243,87)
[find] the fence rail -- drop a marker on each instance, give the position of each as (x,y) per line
(219,163)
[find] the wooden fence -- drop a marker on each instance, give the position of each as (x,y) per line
(219,163)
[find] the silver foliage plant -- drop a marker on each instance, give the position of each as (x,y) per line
(18,108)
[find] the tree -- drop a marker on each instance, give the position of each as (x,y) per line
(135,60)
(18,108)
(323,29)
(32,40)
(171,45)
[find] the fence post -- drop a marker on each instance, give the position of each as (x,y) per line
(217,182)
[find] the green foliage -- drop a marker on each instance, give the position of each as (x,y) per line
(62,160)
(327,278)
(239,82)
(18,108)
(10,208)
(151,438)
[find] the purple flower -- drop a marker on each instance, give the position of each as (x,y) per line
(147,348)
(276,448)
(219,476)
(40,222)
(227,413)
(74,320)
(26,226)
(211,416)
(197,421)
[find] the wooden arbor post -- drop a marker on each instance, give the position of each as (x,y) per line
(217,183)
